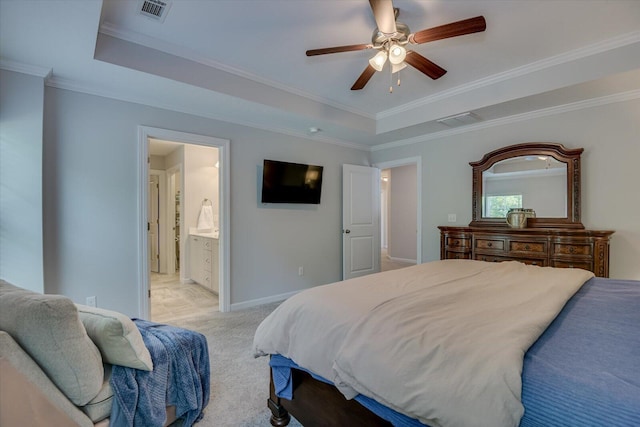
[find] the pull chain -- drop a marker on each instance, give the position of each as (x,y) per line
(391,79)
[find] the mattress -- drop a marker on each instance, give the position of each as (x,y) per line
(584,370)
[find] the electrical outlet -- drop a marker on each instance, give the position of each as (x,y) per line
(300,271)
(91,301)
(452,218)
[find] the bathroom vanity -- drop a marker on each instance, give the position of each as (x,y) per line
(203,259)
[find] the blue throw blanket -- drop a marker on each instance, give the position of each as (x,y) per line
(180,377)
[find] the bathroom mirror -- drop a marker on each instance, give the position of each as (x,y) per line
(544,177)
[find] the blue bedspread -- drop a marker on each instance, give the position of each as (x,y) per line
(180,377)
(584,370)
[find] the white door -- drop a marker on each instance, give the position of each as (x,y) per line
(154,242)
(360,221)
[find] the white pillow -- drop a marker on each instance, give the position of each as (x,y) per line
(116,336)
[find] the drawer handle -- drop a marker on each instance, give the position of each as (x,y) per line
(489,244)
(456,243)
(527,247)
(571,249)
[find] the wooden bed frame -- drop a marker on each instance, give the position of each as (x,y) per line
(316,403)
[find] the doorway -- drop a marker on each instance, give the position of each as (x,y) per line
(194,169)
(173,218)
(400,213)
(154,221)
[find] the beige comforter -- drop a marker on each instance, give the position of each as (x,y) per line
(442,342)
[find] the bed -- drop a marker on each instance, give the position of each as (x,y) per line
(457,342)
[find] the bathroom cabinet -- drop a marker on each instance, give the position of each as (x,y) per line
(203,261)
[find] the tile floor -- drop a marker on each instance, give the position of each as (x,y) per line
(172,301)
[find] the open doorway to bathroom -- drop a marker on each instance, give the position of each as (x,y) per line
(184,230)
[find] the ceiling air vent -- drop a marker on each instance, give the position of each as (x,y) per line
(154,9)
(459,120)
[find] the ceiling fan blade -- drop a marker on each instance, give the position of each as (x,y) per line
(425,66)
(338,49)
(454,29)
(364,78)
(384,15)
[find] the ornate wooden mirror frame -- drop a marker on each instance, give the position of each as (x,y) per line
(570,156)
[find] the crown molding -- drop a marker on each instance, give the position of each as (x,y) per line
(574,106)
(19,67)
(110,30)
(73,86)
(583,52)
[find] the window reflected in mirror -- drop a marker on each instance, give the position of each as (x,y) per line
(530,182)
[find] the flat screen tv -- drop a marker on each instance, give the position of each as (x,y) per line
(284,182)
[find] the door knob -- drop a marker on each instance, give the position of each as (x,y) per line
(347,231)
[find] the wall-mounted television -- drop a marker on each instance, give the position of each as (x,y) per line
(284,182)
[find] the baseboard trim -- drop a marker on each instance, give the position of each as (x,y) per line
(409,261)
(261,301)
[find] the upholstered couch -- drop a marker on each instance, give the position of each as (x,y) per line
(56,359)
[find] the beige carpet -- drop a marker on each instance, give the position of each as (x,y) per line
(239,382)
(386,263)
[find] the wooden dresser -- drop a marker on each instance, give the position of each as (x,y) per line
(554,247)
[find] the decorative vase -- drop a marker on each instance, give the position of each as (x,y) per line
(517,217)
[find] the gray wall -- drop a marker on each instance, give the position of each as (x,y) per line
(610,173)
(21,115)
(91,204)
(402,213)
(84,179)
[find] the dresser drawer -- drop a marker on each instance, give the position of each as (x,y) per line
(493,258)
(489,258)
(585,265)
(492,244)
(572,249)
(457,242)
(528,246)
(457,255)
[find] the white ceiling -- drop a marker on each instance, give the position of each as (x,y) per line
(243,61)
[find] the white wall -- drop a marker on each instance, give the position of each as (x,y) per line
(402,213)
(21,235)
(610,173)
(92,217)
(200,182)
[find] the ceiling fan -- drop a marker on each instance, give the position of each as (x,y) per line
(391,38)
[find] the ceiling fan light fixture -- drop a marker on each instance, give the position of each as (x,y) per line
(397,54)
(378,61)
(397,67)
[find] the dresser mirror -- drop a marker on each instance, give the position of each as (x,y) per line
(544,177)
